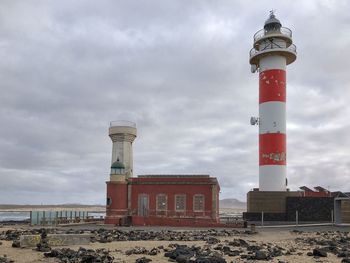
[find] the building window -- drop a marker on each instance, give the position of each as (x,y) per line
(109,201)
(161,202)
(198,203)
(180,202)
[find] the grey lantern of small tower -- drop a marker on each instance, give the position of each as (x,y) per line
(117,168)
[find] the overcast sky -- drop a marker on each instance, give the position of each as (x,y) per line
(180,70)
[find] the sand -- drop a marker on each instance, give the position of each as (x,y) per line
(282,237)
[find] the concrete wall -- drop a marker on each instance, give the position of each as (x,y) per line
(268,201)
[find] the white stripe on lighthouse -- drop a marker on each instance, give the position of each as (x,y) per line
(272,178)
(272,117)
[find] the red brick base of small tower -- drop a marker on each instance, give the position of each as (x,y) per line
(117,203)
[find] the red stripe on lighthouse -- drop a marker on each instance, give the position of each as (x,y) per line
(272,85)
(272,149)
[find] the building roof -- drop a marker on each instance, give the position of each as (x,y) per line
(321,189)
(305,188)
(174,176)
(339,194)
(118,165)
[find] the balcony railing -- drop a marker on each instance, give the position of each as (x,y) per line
(123,123)
(292,48)
(262,33)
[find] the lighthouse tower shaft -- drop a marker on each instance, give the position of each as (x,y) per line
(272,52)
(123,134)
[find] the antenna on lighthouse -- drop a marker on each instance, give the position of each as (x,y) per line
(253,68)
(254,121)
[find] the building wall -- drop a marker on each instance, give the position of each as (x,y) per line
(345,211)
(125,205)
(268,201)
(152,190)
(310,208)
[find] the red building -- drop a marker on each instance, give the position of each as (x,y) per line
(173,200)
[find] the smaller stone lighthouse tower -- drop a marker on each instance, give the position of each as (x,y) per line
(122,133)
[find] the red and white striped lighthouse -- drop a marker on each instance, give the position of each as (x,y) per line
(272,52)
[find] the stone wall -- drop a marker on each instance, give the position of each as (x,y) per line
(317,209)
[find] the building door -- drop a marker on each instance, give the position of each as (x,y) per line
(143,205)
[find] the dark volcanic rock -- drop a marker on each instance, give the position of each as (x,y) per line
(182,259)
(143,260)
(210,260)
(238,243)
(82,255)
(261,255)
(212,240)
(154,251)
(136,251)
(4,259)
(43,246)
(15,243)
(343,254)
(180,250)
(317,252)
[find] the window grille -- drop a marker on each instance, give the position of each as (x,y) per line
(198,203)
(161,202)
(180,202)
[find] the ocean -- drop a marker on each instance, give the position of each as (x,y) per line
(14,216)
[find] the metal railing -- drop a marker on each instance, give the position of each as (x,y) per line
(123,123)
(262,33)
(292,48)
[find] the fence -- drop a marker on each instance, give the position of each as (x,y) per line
(57,217)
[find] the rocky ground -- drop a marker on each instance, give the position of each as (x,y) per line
(195,246)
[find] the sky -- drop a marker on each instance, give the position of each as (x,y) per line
(179,70)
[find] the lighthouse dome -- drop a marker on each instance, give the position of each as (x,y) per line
(272,23)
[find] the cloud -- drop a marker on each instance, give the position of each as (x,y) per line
(179,70)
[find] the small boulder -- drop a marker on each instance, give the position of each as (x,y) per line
(261,255)
(317,252)
(143,260)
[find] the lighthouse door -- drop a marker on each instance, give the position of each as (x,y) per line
(143,205)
